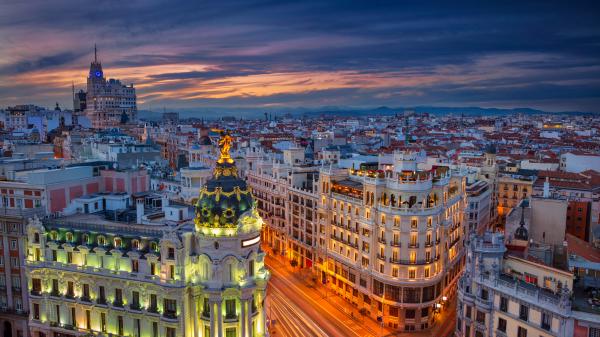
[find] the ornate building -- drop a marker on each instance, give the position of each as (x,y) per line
(390,238)
(88,275)
(109,103)
(504,294)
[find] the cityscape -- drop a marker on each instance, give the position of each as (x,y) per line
(292,169)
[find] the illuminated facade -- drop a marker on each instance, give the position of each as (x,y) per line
(390,238)
(88,275)
(286,195)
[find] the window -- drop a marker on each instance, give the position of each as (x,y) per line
(170,332)
(502,324)
(170,307)
(135,244)
(101,295)
(73,317)
(70,289)
(120,324)
(230,308)
(36,311)
(546,321)
(86,291)
(522,332)
(135,266)
(135,300)
(251,268)
(152,268)
(484,294)
(117,242)
(468,311)
(523,312)
(410,313)
(69,236)
(412,273)
(69,257)
(103,322)
(101,241)
(171,253)
(36,284)
(153,303)
(594,332)
(13,244)
(480,316)
(14,262)
(88,320)
(118,297)
(504,304)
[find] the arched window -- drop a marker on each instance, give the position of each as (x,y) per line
(135,244)
(117,242)
(85,239)
(101,240)
(154,246)
(53,235)
(69,237)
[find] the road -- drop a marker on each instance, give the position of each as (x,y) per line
(299,310)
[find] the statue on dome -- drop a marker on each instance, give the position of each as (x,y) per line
(225,146)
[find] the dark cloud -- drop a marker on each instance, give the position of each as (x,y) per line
(549,50)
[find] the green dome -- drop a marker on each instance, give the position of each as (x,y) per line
(223,199)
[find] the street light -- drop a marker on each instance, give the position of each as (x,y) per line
(444,298)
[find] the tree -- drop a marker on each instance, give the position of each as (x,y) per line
(294,263)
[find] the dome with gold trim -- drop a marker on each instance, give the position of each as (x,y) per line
(226,198)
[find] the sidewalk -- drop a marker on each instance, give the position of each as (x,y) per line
(444,322)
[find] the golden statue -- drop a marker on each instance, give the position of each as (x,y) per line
(225,144)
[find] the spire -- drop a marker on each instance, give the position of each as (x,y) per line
(95,54)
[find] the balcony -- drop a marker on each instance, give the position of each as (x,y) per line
(152,309)
(135,307)
(413,245)
(381,240)
(35,292)
(230,317)
(428,244)
(118,303)
(170,315)
(395,244)
(101,301)
(381,257)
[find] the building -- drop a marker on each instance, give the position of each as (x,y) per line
(14,304)
(390,238)
(504,294)
(160,275)
(109,103)
(577,161)
(286,195)
(512,188)
(477,214)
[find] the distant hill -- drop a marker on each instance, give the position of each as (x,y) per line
(219,112)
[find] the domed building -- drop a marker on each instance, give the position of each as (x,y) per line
(228,235)
(101,276)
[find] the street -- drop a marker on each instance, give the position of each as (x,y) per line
(299,309)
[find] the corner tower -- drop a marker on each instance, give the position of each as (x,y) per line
(228,226)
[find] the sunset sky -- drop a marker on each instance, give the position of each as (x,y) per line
(185,54)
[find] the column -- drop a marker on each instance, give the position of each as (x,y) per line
(220,317)
(248,319)
(213,312)
(243,317)
(195,313)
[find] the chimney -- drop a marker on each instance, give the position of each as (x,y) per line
(547,188)
(139,210)
(165,201)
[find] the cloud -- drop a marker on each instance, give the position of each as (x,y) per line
(193,53)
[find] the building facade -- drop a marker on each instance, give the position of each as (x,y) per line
(89,274)
(109,103)
(511,296)
(390,238)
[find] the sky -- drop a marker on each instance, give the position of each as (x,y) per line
(234,53)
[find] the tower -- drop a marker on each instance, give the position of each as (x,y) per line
(228,229)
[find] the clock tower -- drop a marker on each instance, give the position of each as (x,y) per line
(96,80)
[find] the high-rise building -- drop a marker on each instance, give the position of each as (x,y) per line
(108,103)
(390,238)
(105,274)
